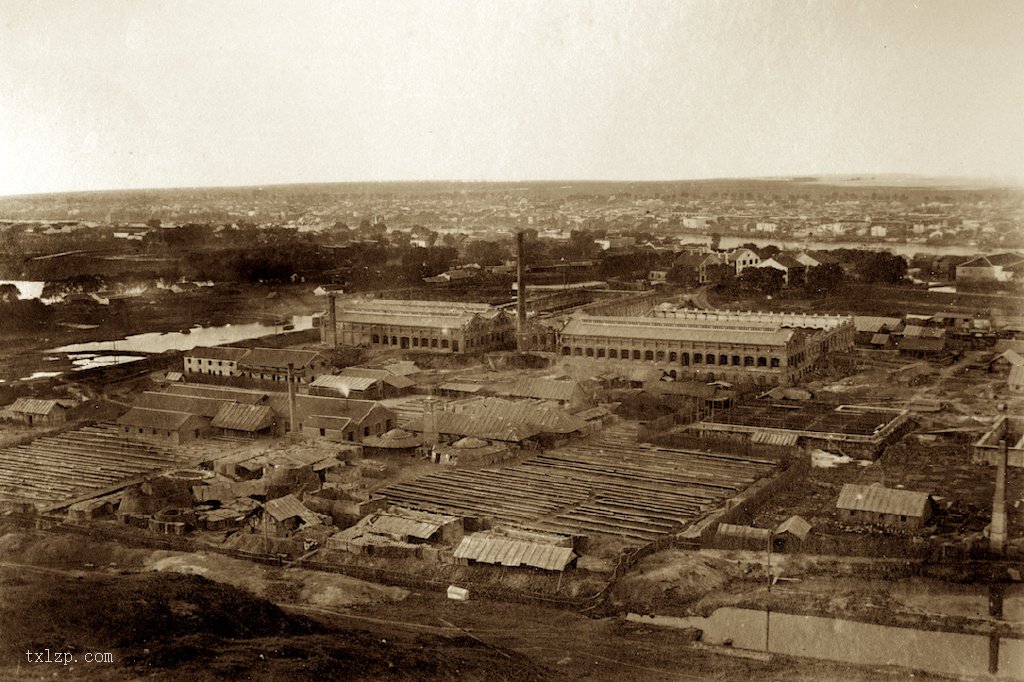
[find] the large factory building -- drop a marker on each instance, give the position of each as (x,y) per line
(765,348)
(434,326)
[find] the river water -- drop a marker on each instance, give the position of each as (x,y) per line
(26,289)
(158,342)
(834,639)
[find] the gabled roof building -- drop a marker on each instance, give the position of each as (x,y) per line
(431,326)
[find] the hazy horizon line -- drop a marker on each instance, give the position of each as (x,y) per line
(985,182)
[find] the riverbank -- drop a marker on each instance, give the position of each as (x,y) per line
(23,353)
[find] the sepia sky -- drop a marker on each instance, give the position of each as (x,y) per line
(123,94)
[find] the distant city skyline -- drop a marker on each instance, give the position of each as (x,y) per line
(126,95)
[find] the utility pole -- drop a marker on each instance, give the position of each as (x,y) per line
(768,605)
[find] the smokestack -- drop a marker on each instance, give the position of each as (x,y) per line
(520,295)
(332,319)
(291,398)
(997,530)
(430,435)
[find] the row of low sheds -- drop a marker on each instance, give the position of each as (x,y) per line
(857,506)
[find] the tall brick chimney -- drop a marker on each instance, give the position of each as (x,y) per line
(521,334)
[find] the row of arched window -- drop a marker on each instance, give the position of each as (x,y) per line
(685,359)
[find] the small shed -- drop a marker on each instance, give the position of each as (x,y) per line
(286,515)
(732,536)
(877,505)
(791,534)
(36,412)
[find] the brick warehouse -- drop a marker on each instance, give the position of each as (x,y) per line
(765,348)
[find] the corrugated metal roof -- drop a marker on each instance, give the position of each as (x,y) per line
(880,340)
(545,389)
(403,526)
(748,532)
(875,498)
(396,380)
(217,353)
(774,438)
(868,323)
(243,417)
(468,424)
(173,402)
(541,417)
(795,525)
(288,507)
(345,384)
(34,406)
(669,329)
(408,319)
(165,420)
(235,395)
(498,549)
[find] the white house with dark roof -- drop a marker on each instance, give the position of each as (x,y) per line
(217,360)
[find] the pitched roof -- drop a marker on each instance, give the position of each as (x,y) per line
(34,406)
(671,329)
(288,507)
(401,523)
(785,260)
(879,339)
(545,389)
(866,323)
(1011,356)
(279,357)
(322,421)
(239,417)
(236,395)
(497,549)
(534,415)
(796,525)
(217,353)
(174,402)
(467,424)
(385,375)
(747,532)
(345,384)
(875,498)
(165,420)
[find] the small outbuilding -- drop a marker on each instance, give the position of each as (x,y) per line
(36,412)
(877,505)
